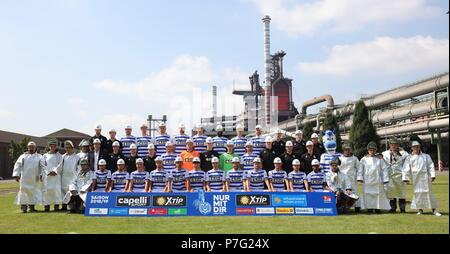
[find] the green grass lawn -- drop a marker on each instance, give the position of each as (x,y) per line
(13,221)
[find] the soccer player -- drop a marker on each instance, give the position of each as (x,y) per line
(239,141)
(256,178)
(139,179)
(102,177)
(199,139)
(132,158)
(268,155)
(226,159)
(278,177)
(258,140)
(278,145)
(111,140)
(177,178)
(189,155)
(196,177)
(236,177)
(248,157)
(207,156)
(114,156)
(219,141)
(143,141)
(169,157)
(297,179)
(159,177)
(316,179)
(215,178)
(127,141)
(180,139)
(161,139)
(119,179)
(288,156)
(299,144)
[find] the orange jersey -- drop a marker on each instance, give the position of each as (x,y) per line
(187,159)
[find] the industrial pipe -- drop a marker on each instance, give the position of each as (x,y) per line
(328,98)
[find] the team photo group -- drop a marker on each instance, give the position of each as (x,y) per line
(183,163)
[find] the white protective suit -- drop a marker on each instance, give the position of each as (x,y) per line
(373,171)
(82,155)
(420,169)
(82,183)
(51,189)
(338,181)
(29,168)
(396,187)
(349,166)
(67,169)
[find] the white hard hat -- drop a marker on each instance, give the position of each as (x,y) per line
(31,143)
(97,141)
(139,160)
(258,127)
(229,142)
(168,143)
(314,135)
(102,162)
(295,162)
(128,126)
(277,160)
(289,143)
(315,162)
(249,143)
(235,159)
(278,131)
(133,146)
(120,162)
(159,158)
(239,127)
(196,160)
(151,146)
(162,124)
(189,141)
(309,143)
(116,143)
(415,143)
(269,139)
(182,126)
(67,142)
(178,159)
(209,140)
(112,130)
(219,127)
(144,125)
(214,160)
(298,132)
(98,127)
(198,125)
(257,160)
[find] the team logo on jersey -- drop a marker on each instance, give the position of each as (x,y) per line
(253,200)
(169,200)
(132,201)
(201,205)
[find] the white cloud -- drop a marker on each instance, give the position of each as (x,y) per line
(308,18)
(5,113)
(384,55)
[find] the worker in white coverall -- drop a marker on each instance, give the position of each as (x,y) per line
(84,144)
(51,189)
(373,174)
(419,168)
(27,171)
(67,169)
(349,166)
(80,186)
(341,186)
(395,159)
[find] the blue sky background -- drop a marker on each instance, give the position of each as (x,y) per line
(73,63)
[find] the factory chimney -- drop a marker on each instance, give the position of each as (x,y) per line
(267,63)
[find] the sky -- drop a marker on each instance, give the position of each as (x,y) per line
(75,63)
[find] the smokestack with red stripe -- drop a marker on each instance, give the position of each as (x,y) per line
(267,63)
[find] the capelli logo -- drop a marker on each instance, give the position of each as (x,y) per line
(133,201)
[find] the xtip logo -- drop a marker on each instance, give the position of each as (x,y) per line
(169,201)
(251,200)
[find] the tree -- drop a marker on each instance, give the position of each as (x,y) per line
(307,131)
(330,123)
(17,149)
(362,130)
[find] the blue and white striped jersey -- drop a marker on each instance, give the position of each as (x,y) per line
(256,179)
(215,179)
(247,161)
(316,180)
(178,178)
(180,143)
(142,144)
(138,179)
(126,143)
(297,179)
(259,144)
(239,145)
(199,143)
(325,160)
(119,180)
(196,179)
(220,144)
(277,178)
(169,161)
(236,179)
(160,144)
(159,178)
(101,177)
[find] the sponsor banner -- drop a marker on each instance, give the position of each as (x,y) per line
(289,200)
(176,200)
(118,211)
(285,210)
(304,210)
(177,211)
(323,211)
(265,210)
(245,211)
(137,211)
(132,201)
(98,211)
(253,200)
(327,199)
(157,211)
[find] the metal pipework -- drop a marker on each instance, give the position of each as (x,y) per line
(328,98)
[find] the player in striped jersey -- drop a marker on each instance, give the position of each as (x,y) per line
(169,157)
(239,141)
(215,178)
(143,141)
(256,178)
(327,157)
(297,179)
(159,177)
(316,179)
(161,139)
(196,177)
(101,177)
(199,139)
(127,141)
(119,179)
(219,141)
(278,177)
(177,178)
(180,140)
(236,177)
(139,179)
(258,141)
(248,157)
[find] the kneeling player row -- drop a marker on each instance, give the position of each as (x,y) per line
(160,180)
